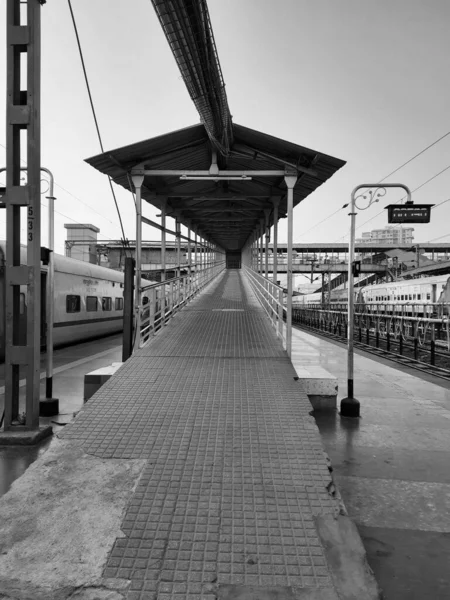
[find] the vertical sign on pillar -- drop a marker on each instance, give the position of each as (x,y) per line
(22,346)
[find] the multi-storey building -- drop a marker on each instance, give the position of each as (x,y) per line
(388,235)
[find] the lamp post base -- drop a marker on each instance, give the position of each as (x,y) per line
(350,407)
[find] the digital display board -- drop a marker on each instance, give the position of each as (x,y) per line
(409,213)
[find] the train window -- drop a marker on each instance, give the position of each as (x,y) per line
(91,303)
(410,296)
(73,303)
(428,296)
(106,303)
(119,303)
(22,304)
(414,296)
(403,297)
(419,296)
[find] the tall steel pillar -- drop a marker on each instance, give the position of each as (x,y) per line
(267,239)
(137,182)
(178,236)
(195,258)
(189,256)
(290,180)
(261,233)
(163,260)
(275,202)
(22,348)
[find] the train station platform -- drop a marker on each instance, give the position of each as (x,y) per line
(195,472)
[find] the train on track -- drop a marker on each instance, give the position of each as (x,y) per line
(88,301)
(426,296)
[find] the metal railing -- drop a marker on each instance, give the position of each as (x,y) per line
(420,329)
(271,297)
(161,300)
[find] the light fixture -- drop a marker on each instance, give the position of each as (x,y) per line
(215,178)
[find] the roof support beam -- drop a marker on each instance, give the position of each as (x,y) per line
(180,173)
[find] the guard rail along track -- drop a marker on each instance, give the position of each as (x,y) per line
(420,342)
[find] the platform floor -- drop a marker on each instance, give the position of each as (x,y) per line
(235,470)
(234,497)
(392,468)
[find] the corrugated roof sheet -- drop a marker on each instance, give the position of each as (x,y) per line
(226,211)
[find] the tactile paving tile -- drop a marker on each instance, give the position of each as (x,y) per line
(235,466)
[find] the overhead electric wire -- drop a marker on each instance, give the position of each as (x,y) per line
(322,221)
(95,116)
(73,196)
(386,177)
(403,197)
(415,156)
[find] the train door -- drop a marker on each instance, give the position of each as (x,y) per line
(43,310)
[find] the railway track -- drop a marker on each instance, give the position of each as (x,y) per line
(381,352)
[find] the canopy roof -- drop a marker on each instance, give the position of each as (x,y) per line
(225,211)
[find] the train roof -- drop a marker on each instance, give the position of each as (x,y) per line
(408,282)
(72,266)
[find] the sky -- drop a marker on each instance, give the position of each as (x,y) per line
(365,81)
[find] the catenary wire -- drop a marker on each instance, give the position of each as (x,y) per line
(384,178)
(402,198)
(95,116)
(76,198)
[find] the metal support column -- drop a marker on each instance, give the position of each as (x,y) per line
(195,260)
(267,239)
(137,182)
(189,257)
(23,114)
(275,239)
(178,232)
(163,260)
(290,180)
(128,294)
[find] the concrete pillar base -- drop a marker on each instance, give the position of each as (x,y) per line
(49,407)
(24,438)
(350,407)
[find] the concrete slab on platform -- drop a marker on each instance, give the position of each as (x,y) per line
(94,380)
(25,438)
(320,385)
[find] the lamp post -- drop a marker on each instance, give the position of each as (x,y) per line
(350,406)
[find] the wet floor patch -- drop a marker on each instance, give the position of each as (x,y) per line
(395,556)
(15,460)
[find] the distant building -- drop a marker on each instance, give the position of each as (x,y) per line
(388,235)
(81,242)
